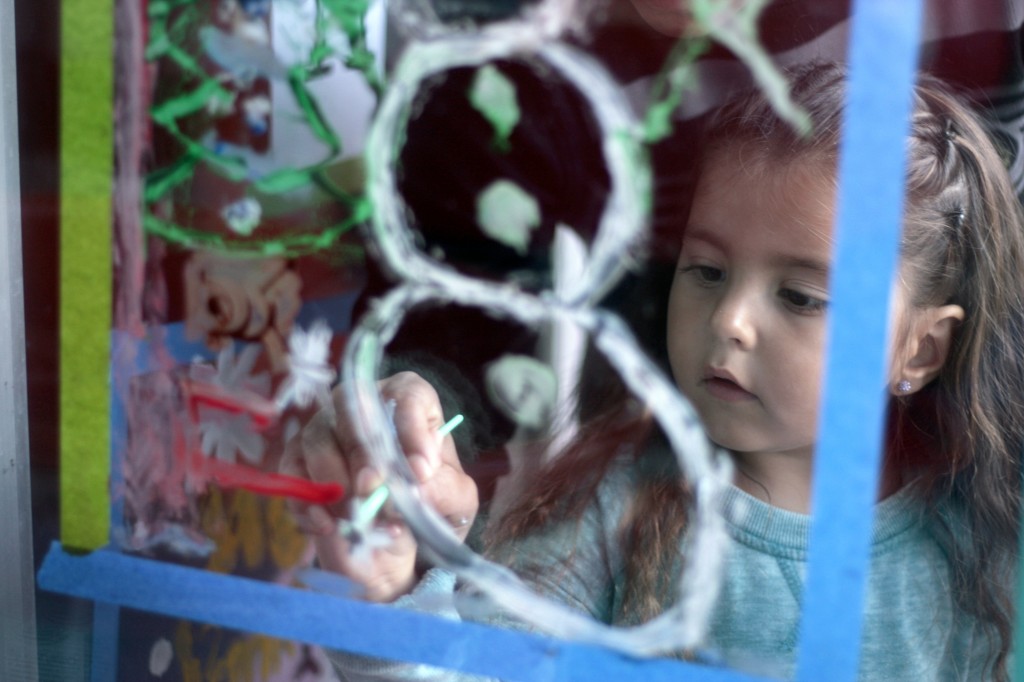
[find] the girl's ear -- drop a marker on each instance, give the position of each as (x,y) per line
(928,344)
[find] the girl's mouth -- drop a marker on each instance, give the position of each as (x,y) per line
(726,389)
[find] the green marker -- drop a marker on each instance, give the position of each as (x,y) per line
(372,505)
(450,425)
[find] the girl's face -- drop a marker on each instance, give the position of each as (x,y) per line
(746,318)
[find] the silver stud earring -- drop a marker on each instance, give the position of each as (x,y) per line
(903,386)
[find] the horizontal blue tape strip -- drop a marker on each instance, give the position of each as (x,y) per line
(332,622)
(883,61)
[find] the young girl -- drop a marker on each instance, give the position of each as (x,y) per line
(745,343)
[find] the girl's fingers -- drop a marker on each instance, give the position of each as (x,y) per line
(331,552)
(383,558)
(367,480)
(315,520)
(385,572)
(321,521)
(417,415)
(293,464)
(421,469)
(324,459)
(458,502)
(448,489)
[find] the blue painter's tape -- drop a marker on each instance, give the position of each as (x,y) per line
(333,622)
(132,356)
(325,581)
(883,61)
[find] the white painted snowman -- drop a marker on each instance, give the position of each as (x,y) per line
(582,274)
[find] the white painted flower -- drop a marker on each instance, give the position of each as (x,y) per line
(363,536)
(231,405)
(225,435)
(309,374)
(257,113)
(245,54)
(363,545)
(233,374)
(243,216)
(221,104)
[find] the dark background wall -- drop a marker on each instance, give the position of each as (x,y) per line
(38,63)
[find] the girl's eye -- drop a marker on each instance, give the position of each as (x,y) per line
(705,275)
(801,302)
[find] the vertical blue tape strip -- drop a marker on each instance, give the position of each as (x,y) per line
(330,621)
(883,62)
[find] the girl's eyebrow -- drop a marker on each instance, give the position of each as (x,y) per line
(816,266)
(782,260)
(700,234)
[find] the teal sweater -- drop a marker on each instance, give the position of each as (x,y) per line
(911,630)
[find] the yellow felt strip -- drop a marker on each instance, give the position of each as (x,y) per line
(86,166)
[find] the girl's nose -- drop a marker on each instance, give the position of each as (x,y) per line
(733,319)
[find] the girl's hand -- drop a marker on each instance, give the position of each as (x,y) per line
(324,453)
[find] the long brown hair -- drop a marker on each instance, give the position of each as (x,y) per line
(963,243)
(959,440)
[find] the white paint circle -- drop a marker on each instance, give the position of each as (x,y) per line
(160,657)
